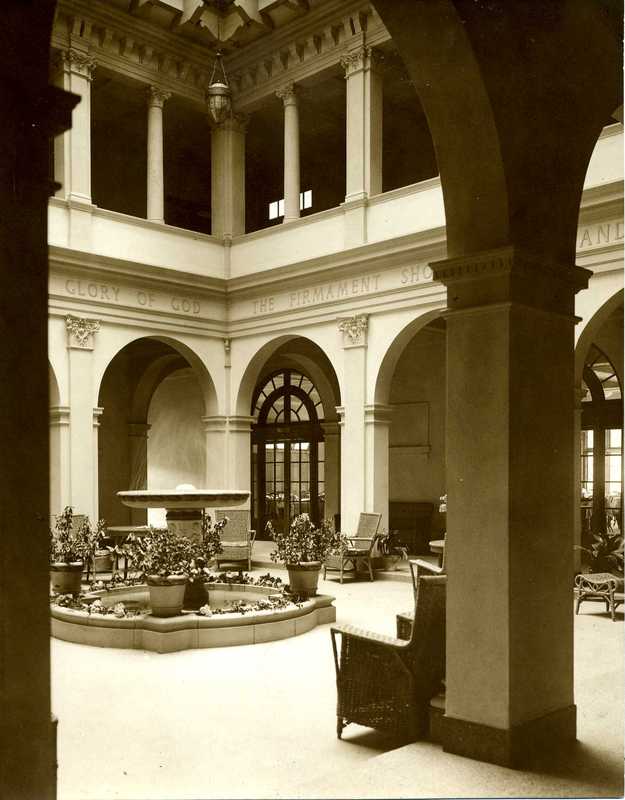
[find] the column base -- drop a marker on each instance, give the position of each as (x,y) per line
(509,747)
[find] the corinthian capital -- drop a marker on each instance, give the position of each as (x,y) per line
(363,57)
(78,62)
(80,332)
(354,330)
(157,96)
(288,94)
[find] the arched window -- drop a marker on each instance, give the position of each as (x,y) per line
(601,446)
(288,451)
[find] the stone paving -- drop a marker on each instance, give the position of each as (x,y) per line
(258,720)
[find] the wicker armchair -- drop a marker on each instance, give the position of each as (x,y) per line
(418,567)
(387,683)
(359,550)
(237,539)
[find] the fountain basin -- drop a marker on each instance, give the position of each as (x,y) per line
(183,499)
(190,630)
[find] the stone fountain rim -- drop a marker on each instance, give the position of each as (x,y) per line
(182,498)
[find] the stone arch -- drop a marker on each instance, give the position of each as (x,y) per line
(260,362)
(158,370)
(394,351)
(469,64)
(591,328)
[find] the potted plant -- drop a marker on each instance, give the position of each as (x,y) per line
(302,548)
(606,552)
(391,553)
(71,544)
(204,551)
(164,559)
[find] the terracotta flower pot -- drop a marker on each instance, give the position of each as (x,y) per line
(166,594)
(66,578)
(303,578)
(103,561)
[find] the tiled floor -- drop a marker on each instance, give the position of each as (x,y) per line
(258,721)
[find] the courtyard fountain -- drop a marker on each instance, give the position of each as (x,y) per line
(231,613)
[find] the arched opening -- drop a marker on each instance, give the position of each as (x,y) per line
(601,444)
(295,437)
(412,382)
(151,433)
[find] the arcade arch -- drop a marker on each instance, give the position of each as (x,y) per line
(154,395)
(295,454)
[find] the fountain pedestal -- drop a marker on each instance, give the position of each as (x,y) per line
(184,506)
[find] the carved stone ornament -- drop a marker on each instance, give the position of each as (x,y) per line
(79,62)
(354,330)
(157,96)
(362,58)
(80,332)
(288,94)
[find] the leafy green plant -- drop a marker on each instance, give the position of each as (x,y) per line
(302,542)
(70,543)
(207,548)
(606,552)
(161,553)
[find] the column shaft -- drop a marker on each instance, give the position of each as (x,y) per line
(291,153)
(83,450)
(228,177)
(377,424)
(353,453)
(332,467)
(156,186)
(364,124)
(73,148)
(509,543)
(60,480)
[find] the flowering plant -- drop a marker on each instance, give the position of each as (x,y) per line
(70,542)
(161,553)
(302,542)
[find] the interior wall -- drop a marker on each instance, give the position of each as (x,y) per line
(113,446)
(176,442)
(417,433)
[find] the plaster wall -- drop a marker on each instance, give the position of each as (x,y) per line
(606,162)
(176,452)
(417,433)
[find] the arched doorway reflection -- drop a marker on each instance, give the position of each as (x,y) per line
(288,450)
(601,446)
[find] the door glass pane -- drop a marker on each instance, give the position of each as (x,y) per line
(613,473)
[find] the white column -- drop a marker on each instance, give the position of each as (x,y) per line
(95,501)
(228,176)
(138,459)
(353,498)
(332,466)
(288,95)
(215,431)
(60,482)
(156,186)
(377,424)
(83,452)
(364,124)
(72,149)
(238,449)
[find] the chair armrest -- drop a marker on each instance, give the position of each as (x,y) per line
(368,636)
(432,569)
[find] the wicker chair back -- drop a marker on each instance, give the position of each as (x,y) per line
(237,529)
(426,648)
(368,524)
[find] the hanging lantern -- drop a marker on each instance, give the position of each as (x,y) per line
(219,94)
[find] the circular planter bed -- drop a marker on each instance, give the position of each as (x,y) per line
(219,626)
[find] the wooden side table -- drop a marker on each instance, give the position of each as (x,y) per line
(601,586)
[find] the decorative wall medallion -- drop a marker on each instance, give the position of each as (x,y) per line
(80,332)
